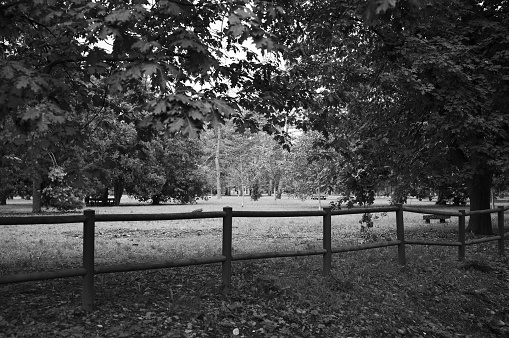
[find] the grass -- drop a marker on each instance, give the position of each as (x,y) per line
(368,294)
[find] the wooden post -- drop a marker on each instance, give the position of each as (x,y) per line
(88,293)
(501,244)
(461,236)
(327,257)
(227,251)
(400,233)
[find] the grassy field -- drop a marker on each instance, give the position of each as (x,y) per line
(368,294)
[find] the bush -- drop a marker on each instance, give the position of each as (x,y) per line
(255,191)
(59,194)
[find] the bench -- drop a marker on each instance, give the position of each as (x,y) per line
(97,201)
(315,197)
(442,218)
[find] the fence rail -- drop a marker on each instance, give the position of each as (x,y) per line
(89,219)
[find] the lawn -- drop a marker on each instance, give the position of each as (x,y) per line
(368,294)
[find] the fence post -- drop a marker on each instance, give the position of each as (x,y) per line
(400,233)
(461,236)
(88,293)
(227,251)
(327,257)
(501,232)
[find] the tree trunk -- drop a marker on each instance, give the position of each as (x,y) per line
(156,200)
(319,199)
(479,190)
(36,193)
(218,168)
(104,196)
(3,199)
(118,189)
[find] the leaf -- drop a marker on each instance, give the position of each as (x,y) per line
(23,82)
(196,114)
(236,30)
(190,44)
(149,69)
(177,125)
(160,107)
(8,72)
(223,107)
(234,20)
(384,5)
(121,15)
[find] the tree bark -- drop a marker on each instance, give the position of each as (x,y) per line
(218,168)
(36,193)
(104,196)
(118,189)
(156,200)
(479,191)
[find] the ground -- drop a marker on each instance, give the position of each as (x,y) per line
(368,294)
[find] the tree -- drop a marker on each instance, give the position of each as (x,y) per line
(57,54)
(52,49)
(167,169)
(313,169)
(272,162)
(9,167)
(426,88)
(456,87)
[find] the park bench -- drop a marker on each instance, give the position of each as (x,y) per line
(442,218)
(315,197)
(98,201)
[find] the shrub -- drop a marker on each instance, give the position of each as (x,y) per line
(59,194)
(255,191)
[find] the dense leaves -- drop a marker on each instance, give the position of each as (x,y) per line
(53,49)
(416,97)
(166,169)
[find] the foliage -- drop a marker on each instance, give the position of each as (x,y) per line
(166,169)
(457,195)
(245,157)
(400,194)
(59,194)
(255,191)
(417,91)
(9,176)
(185,50)
(311,166)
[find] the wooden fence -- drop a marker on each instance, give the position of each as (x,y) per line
(89,219)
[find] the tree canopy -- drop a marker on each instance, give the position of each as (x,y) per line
(420,91)
(408,90)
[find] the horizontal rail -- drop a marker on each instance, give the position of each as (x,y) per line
(21,220)
(431,211)
(157,217)
(158,265)
(482,240)
(438,243)
(277,254)
(293,213)
(43,275)
(365,210)
(477,212)
(365,246)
